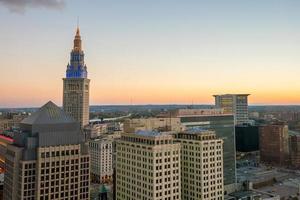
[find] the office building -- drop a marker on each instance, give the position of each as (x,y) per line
(201,165)
(101,152)
(76,85)
(223,126)
(273,143)
(48,158)
(236,104)
(147,166)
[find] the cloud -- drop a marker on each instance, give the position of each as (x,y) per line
(20,6)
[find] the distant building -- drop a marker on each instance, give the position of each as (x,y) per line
(10,121)
(48,159)
(113,127)
(95,130)
(76,85)
(201,165)
(223,125)
(147,166)
(150,124)
(273,143)
(236,104)
(101,152)
(247,138)
(254,115)
(4,141)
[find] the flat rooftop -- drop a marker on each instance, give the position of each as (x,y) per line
(286,182)
(151,133)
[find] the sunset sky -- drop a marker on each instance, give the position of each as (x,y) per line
(152,51)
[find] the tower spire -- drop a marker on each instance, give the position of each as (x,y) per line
(77,28)
(77,40)
(77,68)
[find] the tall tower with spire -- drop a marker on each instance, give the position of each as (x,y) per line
(76,85)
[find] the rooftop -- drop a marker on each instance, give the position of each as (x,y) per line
(200,112)
(149,133)
(196,130)
(48,114)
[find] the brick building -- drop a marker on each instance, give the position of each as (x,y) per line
(273,143)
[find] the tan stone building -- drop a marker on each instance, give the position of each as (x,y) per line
(48,159)
(201,166)
(76,85)
(147,167)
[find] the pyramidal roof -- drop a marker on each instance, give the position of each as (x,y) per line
(48,114)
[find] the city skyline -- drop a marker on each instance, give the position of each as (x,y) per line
(152,52)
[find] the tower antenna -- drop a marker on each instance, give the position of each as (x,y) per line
(77,22)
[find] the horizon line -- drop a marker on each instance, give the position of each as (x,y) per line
(150,104)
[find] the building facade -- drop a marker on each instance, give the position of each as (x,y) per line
(273,143)
(150,124)
(223,126)
(201,166)
(295,150)
(10,120)
(101,152)
(247,138)
(4,141)
(236,104)
(48,158)
(76,85)
(147,167)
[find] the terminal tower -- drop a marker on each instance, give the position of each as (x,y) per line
(76,85)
